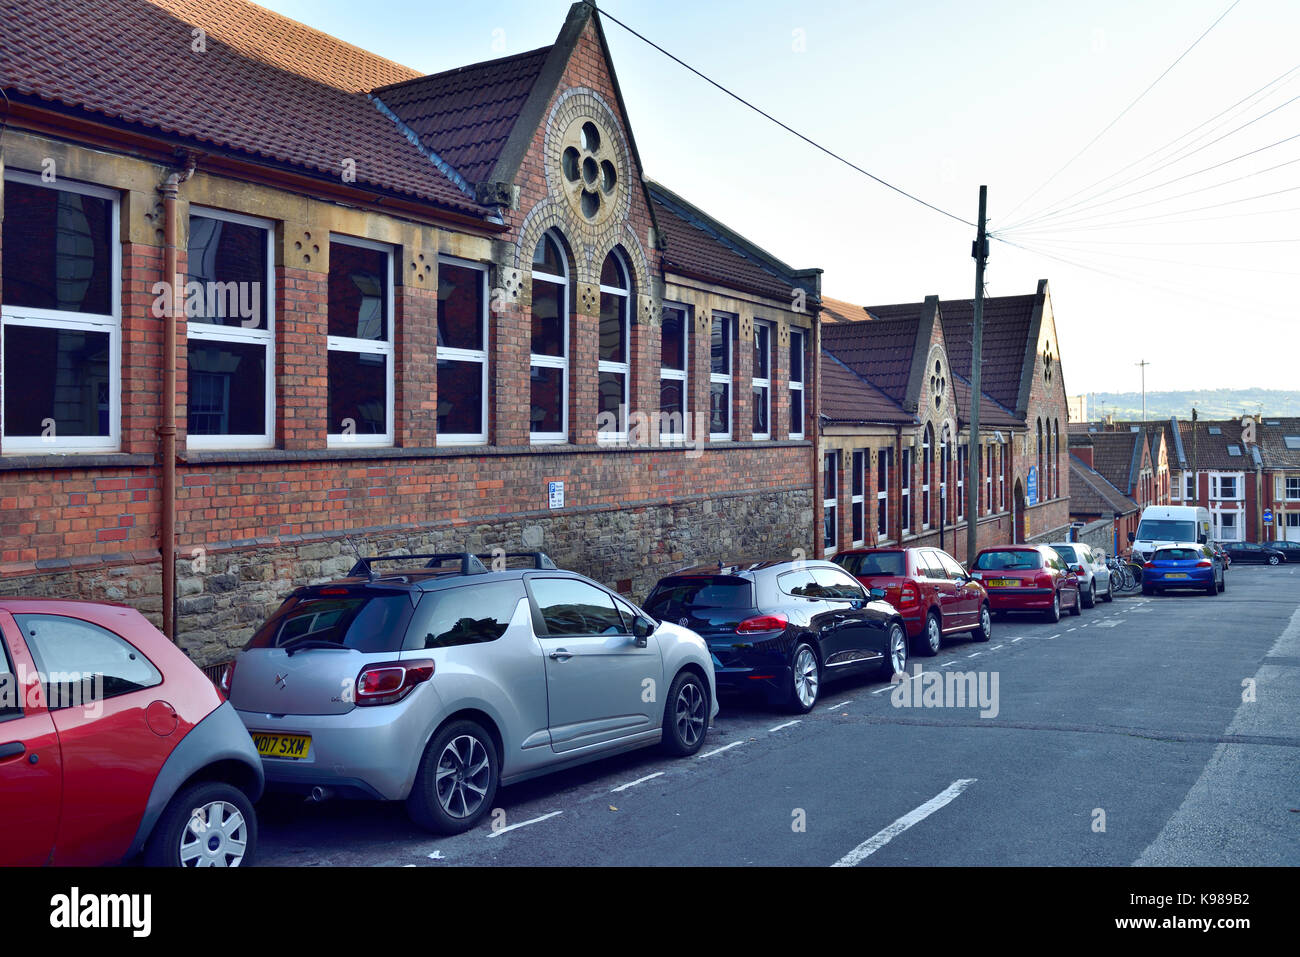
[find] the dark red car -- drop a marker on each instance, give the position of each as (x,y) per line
(1028,578)
(929,588)
(115,746)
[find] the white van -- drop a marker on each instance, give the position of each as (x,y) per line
(1170,525)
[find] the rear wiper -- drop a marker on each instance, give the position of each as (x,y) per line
(302,644)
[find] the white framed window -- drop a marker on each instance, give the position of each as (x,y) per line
(762,380)
(1189,486)
(549,359)
(1225,486)
(797,357)
(927,467)
(463,326)
(961,481)
(1227,525)
(830,502)
(614,372)
(884,463)
(1293,488)
(905,476)
(859,496)
(1002,478)
(720,366)
(988,480)
(361,330)
(230,331)
(674,372)
(60,317)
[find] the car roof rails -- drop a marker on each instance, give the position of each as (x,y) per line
(540,560)
(469,563)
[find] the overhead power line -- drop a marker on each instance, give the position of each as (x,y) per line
(768,116)
(1124,112)
(1159,149)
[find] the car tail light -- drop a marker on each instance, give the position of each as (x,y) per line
(1148,564)
(391,681)
(227,679)
(762,623)
(909,595)
(1043,580)
(1078,569)
(1204,563)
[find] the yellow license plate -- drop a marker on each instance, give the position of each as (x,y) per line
(1004,582)
(295,747)
(1175,575)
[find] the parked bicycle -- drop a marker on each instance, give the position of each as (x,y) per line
(1124,576)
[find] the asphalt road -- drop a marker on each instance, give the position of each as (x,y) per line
(1161,730)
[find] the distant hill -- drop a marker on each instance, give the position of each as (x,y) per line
(1209,403)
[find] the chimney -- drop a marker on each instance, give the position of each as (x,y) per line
(1084,454)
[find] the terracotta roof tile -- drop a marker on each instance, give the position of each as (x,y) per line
(466,115)
(1112,456)
(847,397)
(131,61)
(1092,494)
(837,310)
(1007,320)
(879,351)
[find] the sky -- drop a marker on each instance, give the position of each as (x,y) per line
(1150,253)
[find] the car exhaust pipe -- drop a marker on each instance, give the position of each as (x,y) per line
(319,794)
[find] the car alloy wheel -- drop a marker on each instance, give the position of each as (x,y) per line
(807,677)
(689,714)
(985,631)
(933,636)
(1273,560)
(464,773)
(897,663)
(216,835)
(1055,614)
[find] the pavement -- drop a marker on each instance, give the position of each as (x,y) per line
(1150,731)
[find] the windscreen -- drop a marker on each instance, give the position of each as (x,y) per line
(1166,530)
(674,596)
(1009,560)
(365,621)
(873,563)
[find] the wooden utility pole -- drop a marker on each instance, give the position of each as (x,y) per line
(1143,366)
(980,252)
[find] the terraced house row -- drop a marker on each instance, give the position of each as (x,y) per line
(431,313)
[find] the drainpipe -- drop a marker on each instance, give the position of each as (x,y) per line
(170,190)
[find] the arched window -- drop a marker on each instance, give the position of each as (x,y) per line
(1056,458)
(1039,451)
(927,470)
(549,361)
(615,306)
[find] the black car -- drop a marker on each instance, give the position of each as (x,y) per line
(1290,549)
(781,628)
(1248,553)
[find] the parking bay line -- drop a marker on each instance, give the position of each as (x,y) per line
(524,823)
(632,784)
(915,816)
(842,704)
(780,726)
(725,747)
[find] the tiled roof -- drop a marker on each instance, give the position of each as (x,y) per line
(837,310)
(847,397)
(264,86)
(699,247)
(1272,443)
(1212,450)
(880,351)
(466,115)
(1092,494)
(992,415)
(1007,321)
(1113,454)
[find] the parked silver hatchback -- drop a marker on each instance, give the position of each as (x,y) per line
(439,680)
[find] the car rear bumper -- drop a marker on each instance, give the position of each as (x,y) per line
(764,672)
(1192,578)
(1020,599)
(371,752)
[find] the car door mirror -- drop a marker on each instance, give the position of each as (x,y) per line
(877,594)
(642,629)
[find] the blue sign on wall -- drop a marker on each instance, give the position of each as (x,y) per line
(1031,490)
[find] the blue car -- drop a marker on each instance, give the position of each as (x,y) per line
(1184,566)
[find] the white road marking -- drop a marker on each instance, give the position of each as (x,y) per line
(976,655)
(1057,635)
(915,816)
(947,663)
(842,704)
(995,648)
(881,690)
(777,728)
(725,747)
(1014,640)
(523,823)
(1069,629)
(632,784)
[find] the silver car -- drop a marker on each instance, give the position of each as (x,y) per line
(1091,567)
(433,683)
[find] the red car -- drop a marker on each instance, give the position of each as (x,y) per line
(1028,578)
(929,588)
(114,746)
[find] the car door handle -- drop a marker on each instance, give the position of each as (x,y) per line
(560,654)
(11,749)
